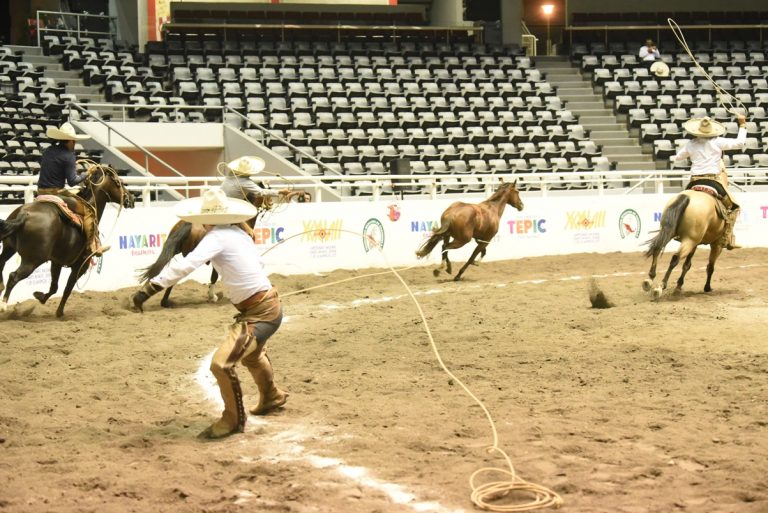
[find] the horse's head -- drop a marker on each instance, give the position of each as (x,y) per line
(105,180)
(512,195)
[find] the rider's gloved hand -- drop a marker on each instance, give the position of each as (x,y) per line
(741,120)
(148,290)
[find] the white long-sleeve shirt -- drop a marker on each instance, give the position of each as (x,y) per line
(647,55)
(239,186)
(705,154)
(234,256)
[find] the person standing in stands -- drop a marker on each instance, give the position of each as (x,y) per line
(649,53)
(232,252)
(59,167)
(706,154)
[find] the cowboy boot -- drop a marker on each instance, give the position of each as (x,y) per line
(270,397)
(89,227)
(728,235)
(233,417)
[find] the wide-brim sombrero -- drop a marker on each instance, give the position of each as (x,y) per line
(245,166)
(65,132)
(704,127)
(214,207)
(660,69)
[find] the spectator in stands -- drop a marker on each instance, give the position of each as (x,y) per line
(229,247)
(57,167)
(706,154)
(649,53)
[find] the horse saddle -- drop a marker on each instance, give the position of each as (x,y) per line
(64,209)
(714,189)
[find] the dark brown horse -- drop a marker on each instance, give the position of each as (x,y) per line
(184,237)
(692,217)
(39,234)
(464,222)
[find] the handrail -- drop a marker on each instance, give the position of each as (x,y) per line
(301,152)
(546,183)
(141,148)
(77,16)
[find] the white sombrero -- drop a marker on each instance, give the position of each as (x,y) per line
(214,207)
(660,69)
(65,132)
(704,127)
(245,166)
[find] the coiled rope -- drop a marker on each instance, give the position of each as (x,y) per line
(483,495)
(724,98)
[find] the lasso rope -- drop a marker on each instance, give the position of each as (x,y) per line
(483,494)
(725,98)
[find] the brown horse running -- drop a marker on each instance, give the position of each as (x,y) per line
(692,217)
(464,222)
(39,234)
(184,237)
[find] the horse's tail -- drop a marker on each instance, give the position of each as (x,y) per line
(8,228)
(171,247)
(429,244)
(670,219)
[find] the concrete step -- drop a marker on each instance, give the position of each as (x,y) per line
(62,74)
(584,120)
(586,105)
(566,81)
(26,50)
(611,134)
(618,141)
(632,158)
(633,151)
(591,112)
(42,60)
(90,98)
(81,89)
(560,71)
(565,91)
(592,127)
(635,166)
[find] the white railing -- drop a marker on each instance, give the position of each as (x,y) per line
(383,186)
(62,26)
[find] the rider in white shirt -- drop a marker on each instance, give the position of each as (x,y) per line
(232,252)
(706,155)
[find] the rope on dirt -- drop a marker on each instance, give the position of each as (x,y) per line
(724,98)
(483,495)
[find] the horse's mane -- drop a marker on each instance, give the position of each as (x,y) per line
(502,188)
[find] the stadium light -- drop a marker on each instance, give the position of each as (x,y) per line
(548,10)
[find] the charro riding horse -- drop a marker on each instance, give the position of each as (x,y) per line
(464,222)
(184,237)
(39,233)
(692,217)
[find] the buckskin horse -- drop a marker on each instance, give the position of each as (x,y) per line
(463,222)
(184,237)
(692,217)
(39,233)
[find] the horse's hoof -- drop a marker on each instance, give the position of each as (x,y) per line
(657,292)
(59,314)
(436,272)
(457,278)
(3,306)
(647,284)
(40,297)
(707,288)
(166,304)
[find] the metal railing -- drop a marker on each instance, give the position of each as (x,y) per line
(147,154)
(528,40)
(62,25)
(598,183)
(646,29)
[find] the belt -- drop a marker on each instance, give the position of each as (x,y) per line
(247,303)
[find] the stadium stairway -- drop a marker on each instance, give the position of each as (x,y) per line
(52,68)
(579,96)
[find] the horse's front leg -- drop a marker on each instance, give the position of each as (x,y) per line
(55,273)
(212,297)
(77,270)
(714,253)
(5,255)
(479,248)
(165,302)
(24,270)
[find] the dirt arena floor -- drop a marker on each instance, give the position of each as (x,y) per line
(644,407)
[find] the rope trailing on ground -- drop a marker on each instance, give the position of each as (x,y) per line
(484,496)
(724,98)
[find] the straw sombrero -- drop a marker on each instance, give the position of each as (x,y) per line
(704,127)
(65,132)
(246,166)
(660,69)
(214,207)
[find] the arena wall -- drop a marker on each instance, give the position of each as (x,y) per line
(328,236)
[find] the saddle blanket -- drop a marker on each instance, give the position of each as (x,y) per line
(63,208)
